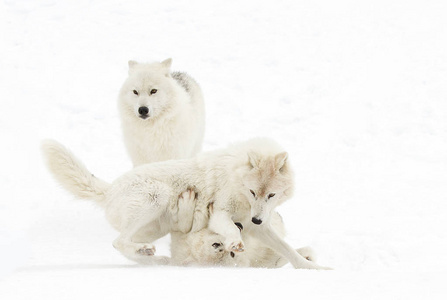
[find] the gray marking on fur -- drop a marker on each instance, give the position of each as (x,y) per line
(182,79)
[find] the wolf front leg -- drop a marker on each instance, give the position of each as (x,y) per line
(221,223)
(186,206)
(268,236)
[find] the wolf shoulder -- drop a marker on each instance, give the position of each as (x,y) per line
(190,86)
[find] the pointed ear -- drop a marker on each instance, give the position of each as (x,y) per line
(167,63)
(132,65)
(253,159)
(280,160)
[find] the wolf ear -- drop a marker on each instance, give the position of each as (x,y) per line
(280,160)
(132,65)
(167,63)
(253,159)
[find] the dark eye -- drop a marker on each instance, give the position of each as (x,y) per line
(216,245)
(253,193)
(271,195)
(135,92)
(232,254)
(153,91)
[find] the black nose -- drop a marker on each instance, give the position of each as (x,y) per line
(143,110)
(256,221)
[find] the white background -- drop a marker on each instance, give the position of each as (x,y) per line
(356,91)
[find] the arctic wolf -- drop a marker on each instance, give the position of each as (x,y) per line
(244,183)
(206,248)
(162,113)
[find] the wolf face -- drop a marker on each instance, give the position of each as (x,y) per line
(148,91)
(268,183)
(209,249)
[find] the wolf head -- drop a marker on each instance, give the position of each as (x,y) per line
(208,249)
(269,183)
(148,92)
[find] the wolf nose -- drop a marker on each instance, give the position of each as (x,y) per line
(256,221)
(143,110)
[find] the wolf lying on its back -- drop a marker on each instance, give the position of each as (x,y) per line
(206,248)
(245,182)
(162,113)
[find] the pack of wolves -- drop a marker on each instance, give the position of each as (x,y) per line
(218,206)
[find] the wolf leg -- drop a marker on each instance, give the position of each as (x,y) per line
(272,240)
(186,206)
(278,261)
(221,223)
(147,221)
(308,253)
(138,251)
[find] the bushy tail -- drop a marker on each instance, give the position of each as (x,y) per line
(72,174)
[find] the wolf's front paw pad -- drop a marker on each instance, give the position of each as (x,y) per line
(237,246)
(146,250)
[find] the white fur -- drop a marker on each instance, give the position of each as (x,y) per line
(176,122)
(143,204)
(206,248)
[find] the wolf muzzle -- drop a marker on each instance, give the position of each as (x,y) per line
(144,112)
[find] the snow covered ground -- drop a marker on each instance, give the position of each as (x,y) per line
(356,91)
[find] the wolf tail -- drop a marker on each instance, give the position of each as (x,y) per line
(72,174)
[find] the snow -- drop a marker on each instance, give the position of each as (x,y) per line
(354,90)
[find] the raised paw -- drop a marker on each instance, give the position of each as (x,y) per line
(146,250)
(236,246)
(188,196)
(186,207)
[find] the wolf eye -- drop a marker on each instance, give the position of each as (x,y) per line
(271,195)
(232,254)
(153,91)
(135,92)
(253,193)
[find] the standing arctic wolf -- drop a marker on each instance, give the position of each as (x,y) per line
(244,183)
(162,113)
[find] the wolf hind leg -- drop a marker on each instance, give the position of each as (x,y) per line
(144,217)
(140,252)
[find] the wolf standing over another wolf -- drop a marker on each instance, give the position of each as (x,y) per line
(144,203)
(162,113)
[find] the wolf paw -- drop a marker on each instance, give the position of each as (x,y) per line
(187,198)
(308,253)
(236,246)
(146,250)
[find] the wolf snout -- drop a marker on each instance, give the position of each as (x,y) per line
(256,221)
(143,111)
